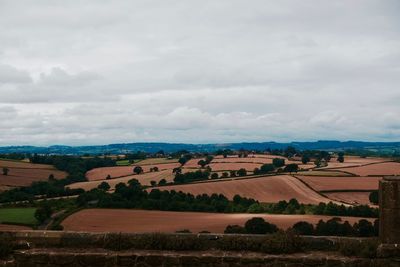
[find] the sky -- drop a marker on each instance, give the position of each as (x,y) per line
(98,72)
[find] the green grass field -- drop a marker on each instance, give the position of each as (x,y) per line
(123,162)
(18,216)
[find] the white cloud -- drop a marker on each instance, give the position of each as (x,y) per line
(189,71)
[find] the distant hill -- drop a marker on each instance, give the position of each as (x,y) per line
(171,147)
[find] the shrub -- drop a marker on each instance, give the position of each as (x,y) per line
(214,175)
(265,168)
(277,162)
(5,247)
(235,229)
(303,228)
(374,197)
(242,172)
(363,248)
(255,208)
(258,225)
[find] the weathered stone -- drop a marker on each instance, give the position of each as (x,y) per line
(389,219)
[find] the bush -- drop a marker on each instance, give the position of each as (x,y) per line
(259,226)
(362,248)
(303,228)
(235,229)
(265,168)
(255,208)
(374,197)
(242,172)
(6,247)
(277,162)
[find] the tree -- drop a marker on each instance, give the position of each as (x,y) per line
(177,170)
(278,162)
(104,186)
(305,159)
(256,171)
(51,178)
(374,197)
(364,228)
(340,157)
(6,170)
(265,168)
(162,182)
(225,175)
(138,170)
(202,163)
(108,177)
(255,208)
(214,175)
(232,173)
(303,228)
(242,172)
(209,159)
(293,167)
(259,226)
(43,212)
(153,183)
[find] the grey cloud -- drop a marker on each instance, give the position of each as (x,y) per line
(190,71)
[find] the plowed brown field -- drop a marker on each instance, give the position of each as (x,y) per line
(101,173)
(270,189)
(25,176)
(352,162)
(354,198)
(386,168)
(139,221)
(144,179)
(324,183)
(23,165)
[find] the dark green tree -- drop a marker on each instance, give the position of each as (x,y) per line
(259,226)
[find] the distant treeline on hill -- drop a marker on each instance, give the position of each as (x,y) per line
(386,147)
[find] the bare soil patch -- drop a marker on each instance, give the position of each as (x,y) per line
(386,168)
(354,198)
(324,183)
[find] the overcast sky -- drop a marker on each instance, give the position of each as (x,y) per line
(97,72)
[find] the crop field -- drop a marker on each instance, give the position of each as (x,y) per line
(18,216)
(352,161)
(269,189)
(101,173)
(23,165)
(354,198)
(151,161)
(141,221)
(378,169)
(323,183)
(144,179)
(25,176)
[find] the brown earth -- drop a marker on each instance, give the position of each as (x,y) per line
(118,171)
(269,189)
(354,198)
(25,176)
(23,165)
(139,221)
(386,168)
(144,179)
(324,183)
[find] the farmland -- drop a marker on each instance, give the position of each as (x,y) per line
(323,183)
(23,173)
(269,189)
(18,216)
(103,220)
(378,169)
